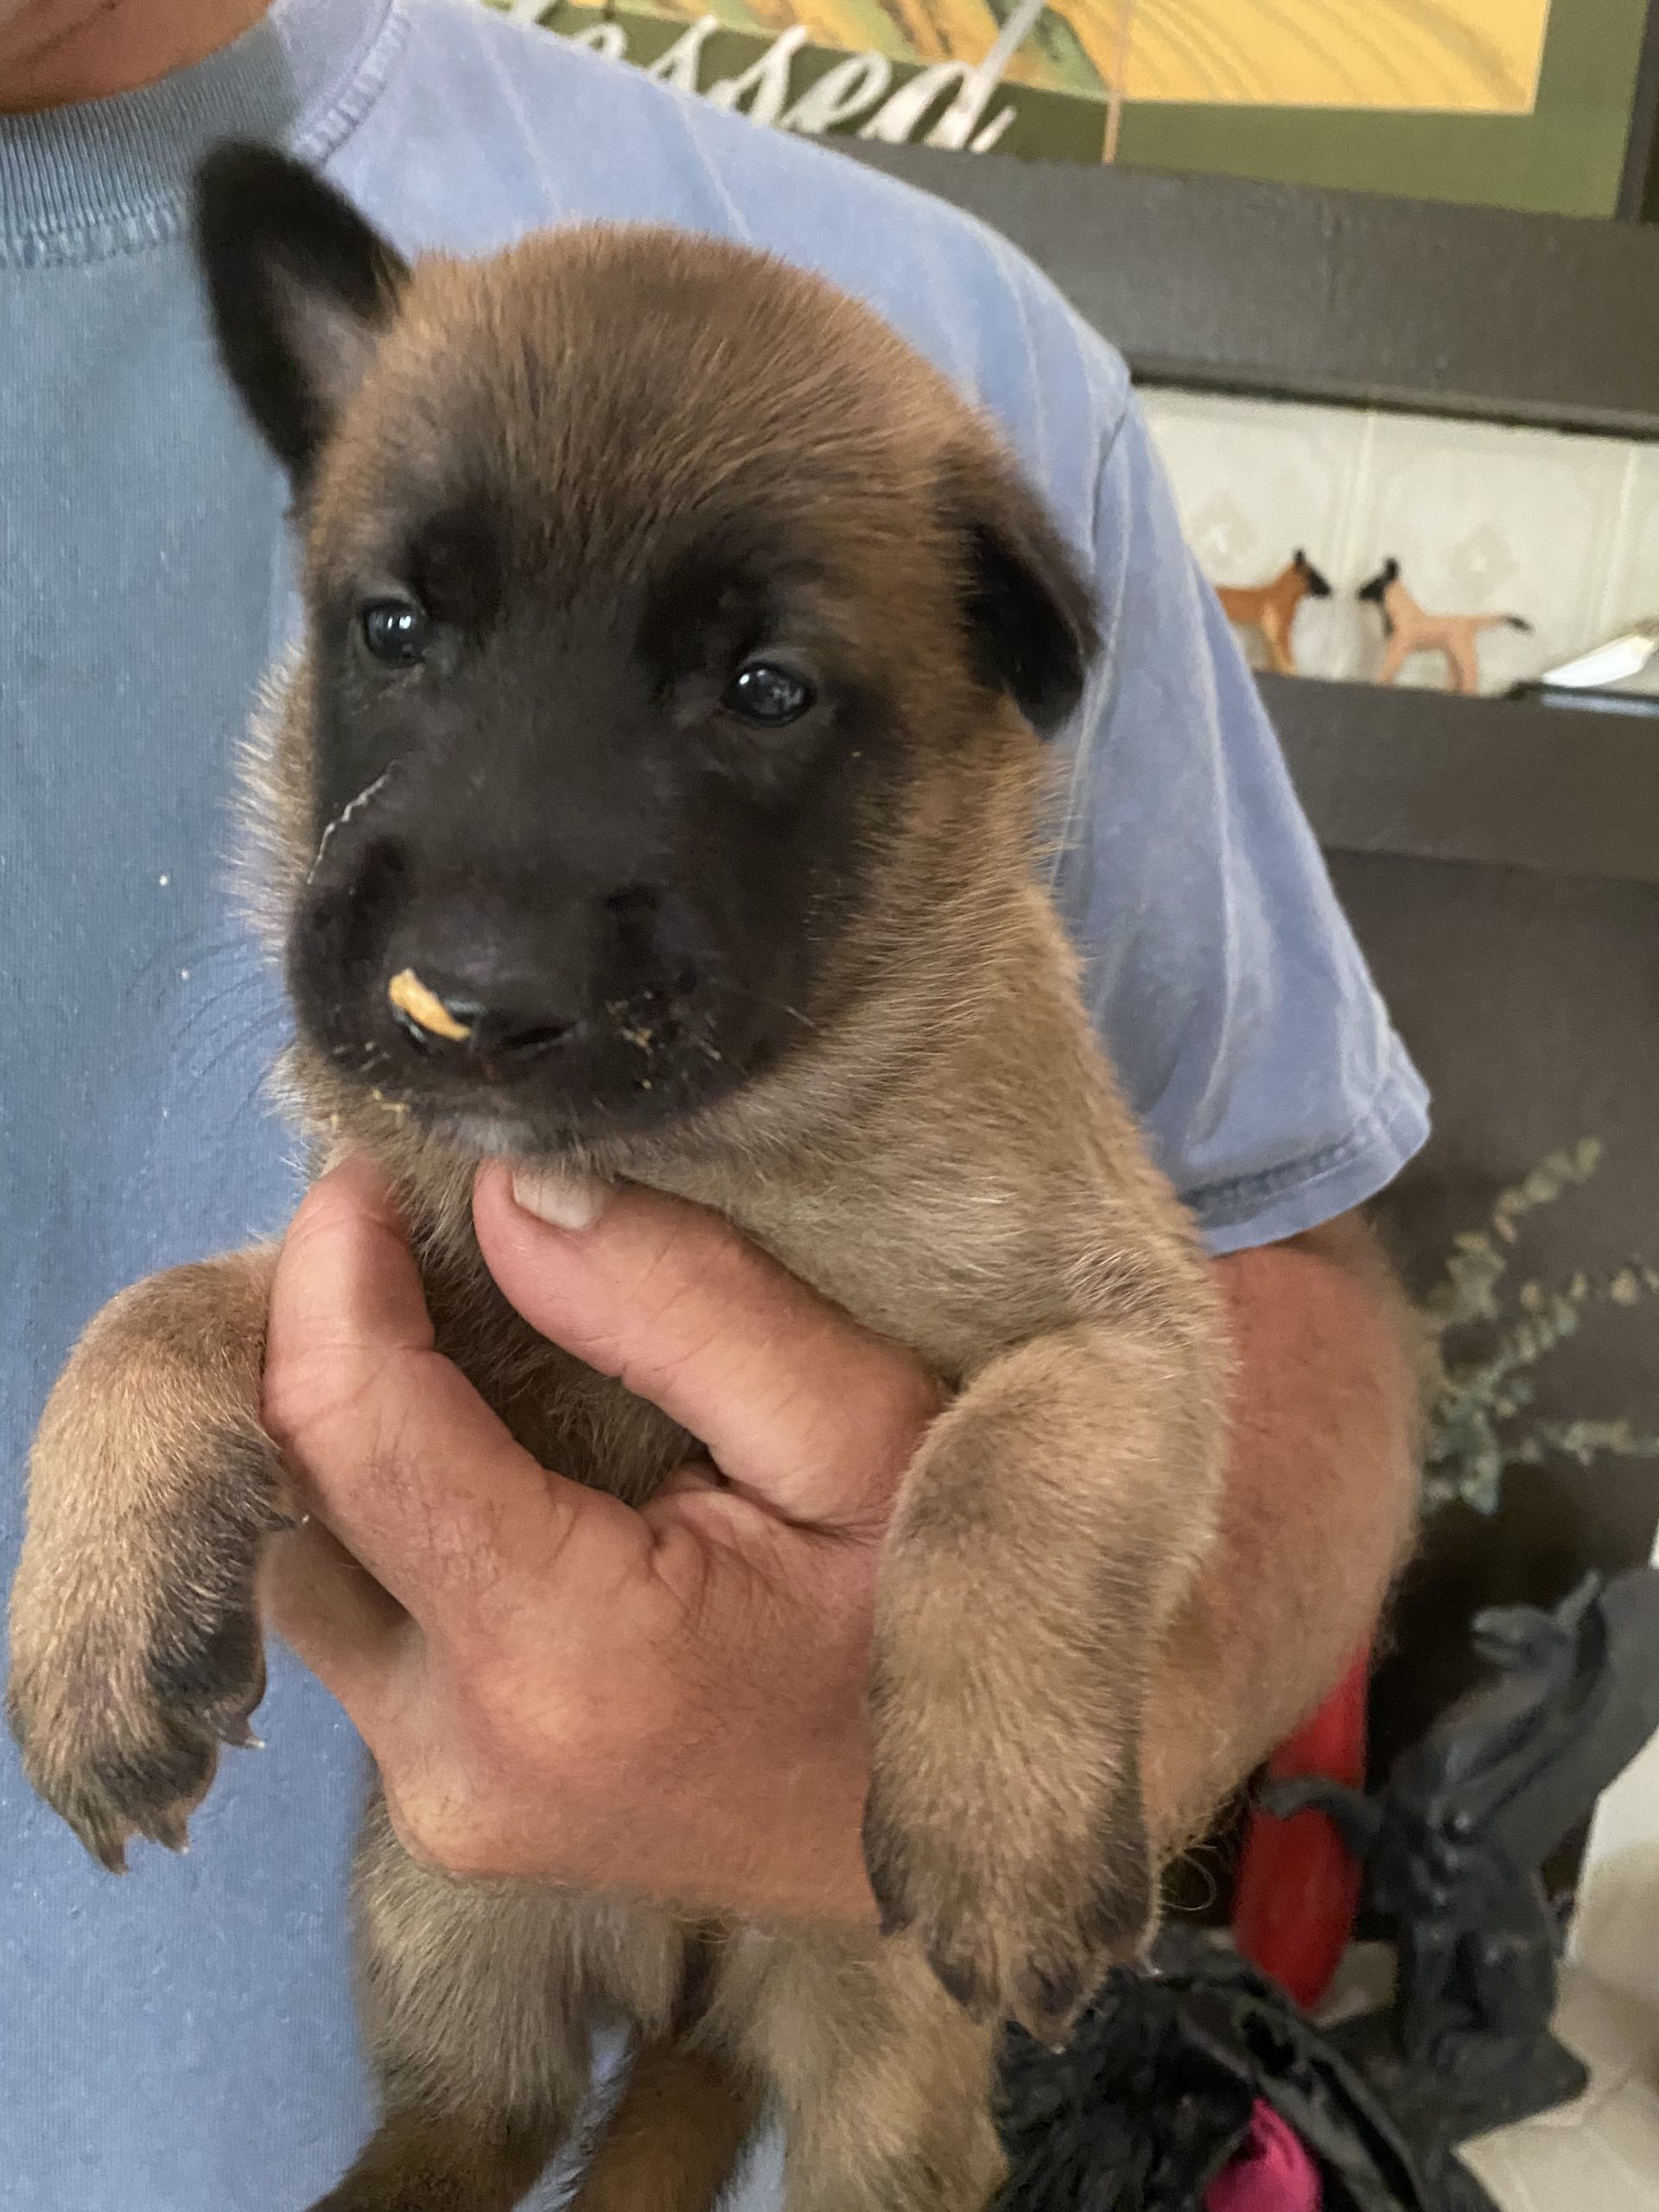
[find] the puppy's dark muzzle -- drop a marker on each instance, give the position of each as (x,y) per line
(454,974)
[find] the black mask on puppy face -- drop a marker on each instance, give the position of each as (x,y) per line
(666,622)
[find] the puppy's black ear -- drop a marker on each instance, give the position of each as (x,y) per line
(1030,610)
(301,287)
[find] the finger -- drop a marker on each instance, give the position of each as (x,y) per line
(334,1615)
(349,1218)
(796,1403)
(391,1446)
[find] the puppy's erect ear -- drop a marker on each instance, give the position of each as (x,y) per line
(301,287)
(1029,606)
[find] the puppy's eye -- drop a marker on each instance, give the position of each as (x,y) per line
(766,693)
(396,630)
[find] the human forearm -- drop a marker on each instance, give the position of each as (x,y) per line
(1317,1514)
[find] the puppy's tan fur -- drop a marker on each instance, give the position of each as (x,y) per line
(945,1156)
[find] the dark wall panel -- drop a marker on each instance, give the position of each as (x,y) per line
(1531,1002)
(1341,296)
(1387,769)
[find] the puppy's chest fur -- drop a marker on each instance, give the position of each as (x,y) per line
(910,1273)
(947,1216)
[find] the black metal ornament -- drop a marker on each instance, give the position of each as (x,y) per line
(1451,1848)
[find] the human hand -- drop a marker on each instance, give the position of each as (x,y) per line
(554,1685)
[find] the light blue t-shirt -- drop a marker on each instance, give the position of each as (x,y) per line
(182,2041)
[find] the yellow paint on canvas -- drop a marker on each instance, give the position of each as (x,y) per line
(1462,55)
(1458,56)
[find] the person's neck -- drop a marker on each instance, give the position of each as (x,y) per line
(55,53)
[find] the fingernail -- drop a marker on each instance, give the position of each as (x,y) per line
(561,1201)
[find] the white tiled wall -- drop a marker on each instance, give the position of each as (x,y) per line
(1636,548)
(1563,529)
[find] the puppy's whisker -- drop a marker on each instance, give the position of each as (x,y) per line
(262,1018)
(773,1005)
(216,1006)
(196,955)
(259,1034)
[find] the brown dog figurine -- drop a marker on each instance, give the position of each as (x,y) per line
(654,793)
(1271,607)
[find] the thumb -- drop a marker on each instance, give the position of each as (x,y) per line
(798,1404)
(391,1446)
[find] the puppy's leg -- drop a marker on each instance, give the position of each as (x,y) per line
(883,2082)
(134,1647)
(1051,1522)
(475,2000)
(449,2159)
(675,2136)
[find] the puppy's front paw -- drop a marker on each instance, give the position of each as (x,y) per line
(1010,1842)
(135,1656)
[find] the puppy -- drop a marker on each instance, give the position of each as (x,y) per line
(655,793)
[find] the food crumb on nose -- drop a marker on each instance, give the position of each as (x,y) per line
(411,996)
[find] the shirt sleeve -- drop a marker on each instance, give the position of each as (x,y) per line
(1221,973)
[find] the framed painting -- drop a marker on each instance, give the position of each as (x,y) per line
(1540,105)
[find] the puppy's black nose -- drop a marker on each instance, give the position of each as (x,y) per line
(479,1016)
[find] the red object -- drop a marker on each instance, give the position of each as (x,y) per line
(1298,1888)
(1272,2173)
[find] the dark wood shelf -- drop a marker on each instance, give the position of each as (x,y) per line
(1350,296)
(1506,782)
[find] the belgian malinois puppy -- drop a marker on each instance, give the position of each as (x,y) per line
(657,794)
